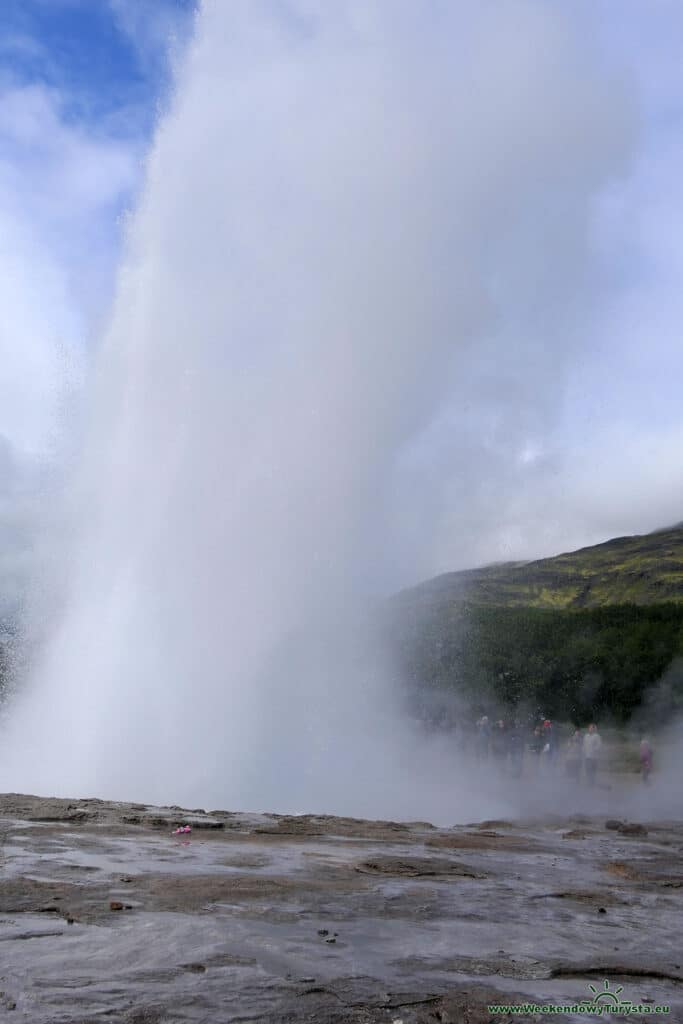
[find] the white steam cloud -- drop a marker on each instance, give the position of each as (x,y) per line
(59,184)
(355,215)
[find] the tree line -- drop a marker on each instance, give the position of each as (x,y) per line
(579,665)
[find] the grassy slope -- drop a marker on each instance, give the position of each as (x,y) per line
(594,633)
(627,570)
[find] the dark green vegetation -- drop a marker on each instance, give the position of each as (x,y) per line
(593,634)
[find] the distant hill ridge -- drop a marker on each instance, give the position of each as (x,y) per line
(641,570)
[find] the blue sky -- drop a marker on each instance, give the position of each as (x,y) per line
(83,84)
(78,76)
(103,56)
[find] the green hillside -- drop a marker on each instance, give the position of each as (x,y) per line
(628,570)
(597,633)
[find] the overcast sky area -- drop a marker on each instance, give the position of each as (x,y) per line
(556,435)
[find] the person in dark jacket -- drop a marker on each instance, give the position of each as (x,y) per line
(516,749)
(536,746)
(499,743)
(574,755)
(645,756)
(483,737)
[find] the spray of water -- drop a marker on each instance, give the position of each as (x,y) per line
(330,207)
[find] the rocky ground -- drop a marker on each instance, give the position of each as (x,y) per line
(106,916)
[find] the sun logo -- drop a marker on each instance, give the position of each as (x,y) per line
(606,994)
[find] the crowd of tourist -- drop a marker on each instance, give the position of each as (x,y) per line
(513,744)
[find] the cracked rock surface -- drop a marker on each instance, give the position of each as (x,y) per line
(107,916)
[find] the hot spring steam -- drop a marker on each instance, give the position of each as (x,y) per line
(331,208)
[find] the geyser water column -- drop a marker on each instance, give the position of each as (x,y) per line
(317,239)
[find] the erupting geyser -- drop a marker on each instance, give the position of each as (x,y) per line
(331,205)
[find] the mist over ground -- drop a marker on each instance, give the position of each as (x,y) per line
(354,289)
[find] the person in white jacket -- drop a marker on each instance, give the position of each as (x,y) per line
(592,743)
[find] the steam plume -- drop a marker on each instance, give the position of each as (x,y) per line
(342,207)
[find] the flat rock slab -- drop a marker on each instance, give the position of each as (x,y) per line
(416,867)
(105,915)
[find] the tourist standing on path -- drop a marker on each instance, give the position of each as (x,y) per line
(572,764)
(516,748)
(645,760)
(536,746)
(499,743)
(549,741)
(592,743)
(483,737)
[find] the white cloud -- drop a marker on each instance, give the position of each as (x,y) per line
(595,388)
(61,186)
(19,45)
(64,182)
(157,29)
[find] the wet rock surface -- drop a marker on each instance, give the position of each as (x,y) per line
(105,915)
